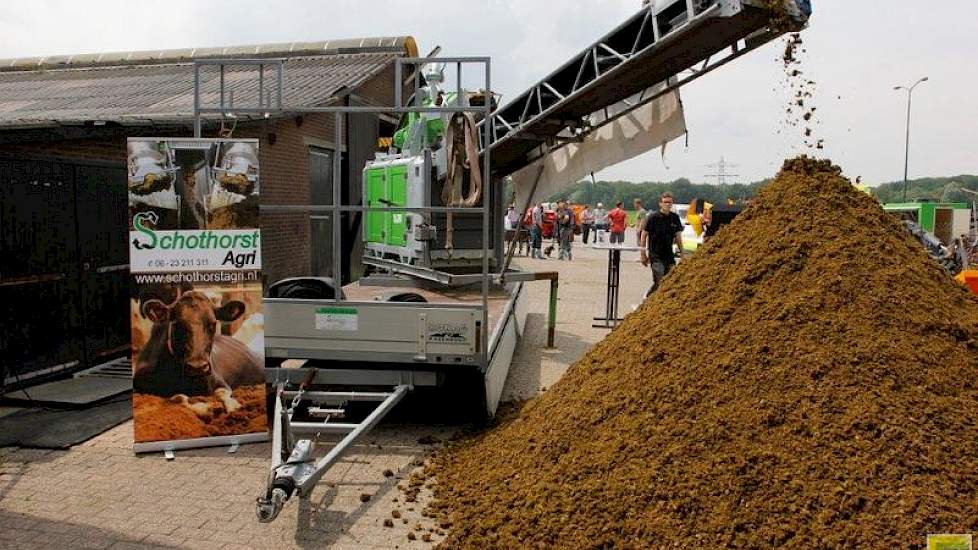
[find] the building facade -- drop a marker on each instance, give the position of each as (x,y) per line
(63,207)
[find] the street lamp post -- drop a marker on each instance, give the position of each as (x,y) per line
(906,158)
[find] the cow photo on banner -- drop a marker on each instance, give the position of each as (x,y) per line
(196,293)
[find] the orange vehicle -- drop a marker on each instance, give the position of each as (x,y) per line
(550,218)
(969,278)
(577,208)
(549,222)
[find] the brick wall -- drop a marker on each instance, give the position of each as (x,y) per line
(285,181)
(380,89)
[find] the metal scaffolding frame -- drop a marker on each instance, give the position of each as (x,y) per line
(225,109)
(296,471)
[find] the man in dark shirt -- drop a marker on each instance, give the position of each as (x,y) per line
(662,229)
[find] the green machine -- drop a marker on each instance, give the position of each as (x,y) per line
(417,172)
(386,185)
(946,221)
(400,181)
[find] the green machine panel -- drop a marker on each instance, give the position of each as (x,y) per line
(376,195)
(397,230)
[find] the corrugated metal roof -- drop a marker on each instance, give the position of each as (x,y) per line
(160,90)
(385,44)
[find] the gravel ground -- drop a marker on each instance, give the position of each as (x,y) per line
(99,495)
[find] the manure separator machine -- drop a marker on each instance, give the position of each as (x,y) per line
(440,302)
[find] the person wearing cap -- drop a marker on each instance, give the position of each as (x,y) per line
(600,218)
(565,230)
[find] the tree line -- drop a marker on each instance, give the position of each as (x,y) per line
(946,189)
(933,189)
(683,191)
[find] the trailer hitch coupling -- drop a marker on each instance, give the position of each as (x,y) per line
(282,483)
(269,507)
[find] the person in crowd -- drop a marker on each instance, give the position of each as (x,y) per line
(565,230)
(536,232)
(698,215)
(512,218)
(600,221)
(587,222)
(523,239)
(640,213)
(513,223)
(617,221)
(661,231)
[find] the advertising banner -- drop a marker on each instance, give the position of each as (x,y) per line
(196,290)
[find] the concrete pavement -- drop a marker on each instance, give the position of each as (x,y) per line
(99,495)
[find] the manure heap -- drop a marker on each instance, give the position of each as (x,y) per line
(808,379)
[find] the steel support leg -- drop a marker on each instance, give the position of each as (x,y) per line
(611,318)
(615,280)
(270,504)
(552,313)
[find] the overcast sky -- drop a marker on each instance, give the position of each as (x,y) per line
(857,51)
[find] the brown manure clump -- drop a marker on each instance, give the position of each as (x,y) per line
(809,380)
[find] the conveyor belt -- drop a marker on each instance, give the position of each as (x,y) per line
(655,45)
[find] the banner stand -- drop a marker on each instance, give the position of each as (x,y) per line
(196,313)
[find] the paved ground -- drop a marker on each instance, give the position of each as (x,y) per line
(99,495)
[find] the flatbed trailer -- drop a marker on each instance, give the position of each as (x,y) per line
(370,341)
(440,335)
